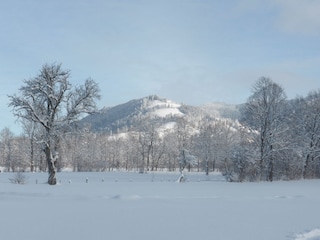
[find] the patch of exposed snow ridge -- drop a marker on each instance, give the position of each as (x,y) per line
(311,235)
(167,111)
(164,103)
(165,108)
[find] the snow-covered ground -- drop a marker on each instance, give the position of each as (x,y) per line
(154,206)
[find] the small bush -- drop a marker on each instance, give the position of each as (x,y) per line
(19,178)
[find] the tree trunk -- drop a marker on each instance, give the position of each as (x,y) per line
(307,173)
(32,154)
(270,166)
(51,166)
(270,171)
(207,167)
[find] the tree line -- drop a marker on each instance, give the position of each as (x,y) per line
(274,138)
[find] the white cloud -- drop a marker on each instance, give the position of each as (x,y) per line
(299,16)
(291,16)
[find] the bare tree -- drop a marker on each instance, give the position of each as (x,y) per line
(185,159)
(49,100)
(7,143)
(204,145)
(171,150)
(307,130)
(31,131)
(148,137)
(264,114)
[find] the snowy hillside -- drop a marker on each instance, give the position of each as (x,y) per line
(128,115)
(161,111)
(119,206)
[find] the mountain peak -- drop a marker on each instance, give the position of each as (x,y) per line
(160,111)
(126,115)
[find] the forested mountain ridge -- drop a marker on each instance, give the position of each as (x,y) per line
(267,138)
(160,111)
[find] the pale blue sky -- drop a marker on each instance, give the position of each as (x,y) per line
(190,51)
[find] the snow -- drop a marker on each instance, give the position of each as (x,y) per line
(118,205)
(164,103)
(311,235)
(164,108)
(167,111)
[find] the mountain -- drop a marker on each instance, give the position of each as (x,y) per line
(160,111)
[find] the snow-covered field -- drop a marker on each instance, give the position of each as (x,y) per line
(154,206)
